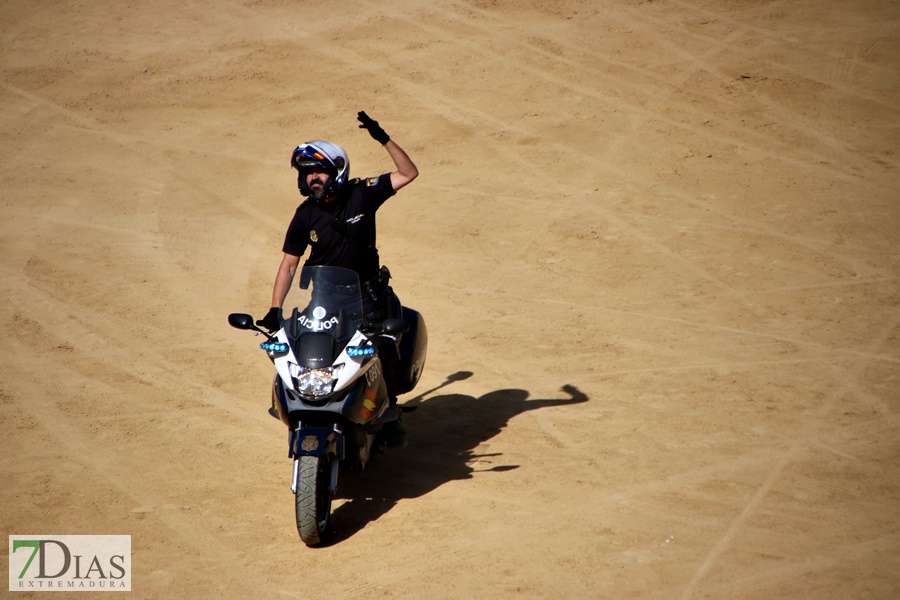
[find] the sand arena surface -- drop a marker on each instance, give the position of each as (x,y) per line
(662,236)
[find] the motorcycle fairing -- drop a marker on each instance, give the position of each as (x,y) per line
(315,350)
(279,401)
(370,399)
(365,402)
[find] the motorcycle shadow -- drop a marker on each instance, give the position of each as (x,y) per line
(443,434)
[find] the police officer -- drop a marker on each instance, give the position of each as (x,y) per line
(337,221)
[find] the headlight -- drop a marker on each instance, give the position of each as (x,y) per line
(314,382)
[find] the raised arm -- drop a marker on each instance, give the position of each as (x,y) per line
(406,169)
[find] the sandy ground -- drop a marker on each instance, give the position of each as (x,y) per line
(657,245)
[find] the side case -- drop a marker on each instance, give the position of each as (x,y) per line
(413,346)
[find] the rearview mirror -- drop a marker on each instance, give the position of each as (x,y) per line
(396,326)
(240,321)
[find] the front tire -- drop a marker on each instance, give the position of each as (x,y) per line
(313,498)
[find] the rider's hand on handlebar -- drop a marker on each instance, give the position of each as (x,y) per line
(272,320)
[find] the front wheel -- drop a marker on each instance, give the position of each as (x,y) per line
(313,497)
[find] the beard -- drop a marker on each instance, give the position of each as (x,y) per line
(317,189)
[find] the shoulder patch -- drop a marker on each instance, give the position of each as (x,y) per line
(372,181)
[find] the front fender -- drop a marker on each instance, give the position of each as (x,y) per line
(315,441)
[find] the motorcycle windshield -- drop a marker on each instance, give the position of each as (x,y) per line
(328,300)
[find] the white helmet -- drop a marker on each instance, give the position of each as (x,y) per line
(319,154)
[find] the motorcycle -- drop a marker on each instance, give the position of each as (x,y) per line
(336,381)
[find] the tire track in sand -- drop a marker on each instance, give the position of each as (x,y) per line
(807,430)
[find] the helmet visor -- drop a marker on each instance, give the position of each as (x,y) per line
(307,157)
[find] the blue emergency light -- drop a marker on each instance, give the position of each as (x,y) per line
(360,351)
(274,346)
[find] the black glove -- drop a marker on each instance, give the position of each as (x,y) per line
(372,127)
(272,320)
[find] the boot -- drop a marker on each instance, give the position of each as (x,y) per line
(394,434)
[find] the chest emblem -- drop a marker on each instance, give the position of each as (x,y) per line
(313,235)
